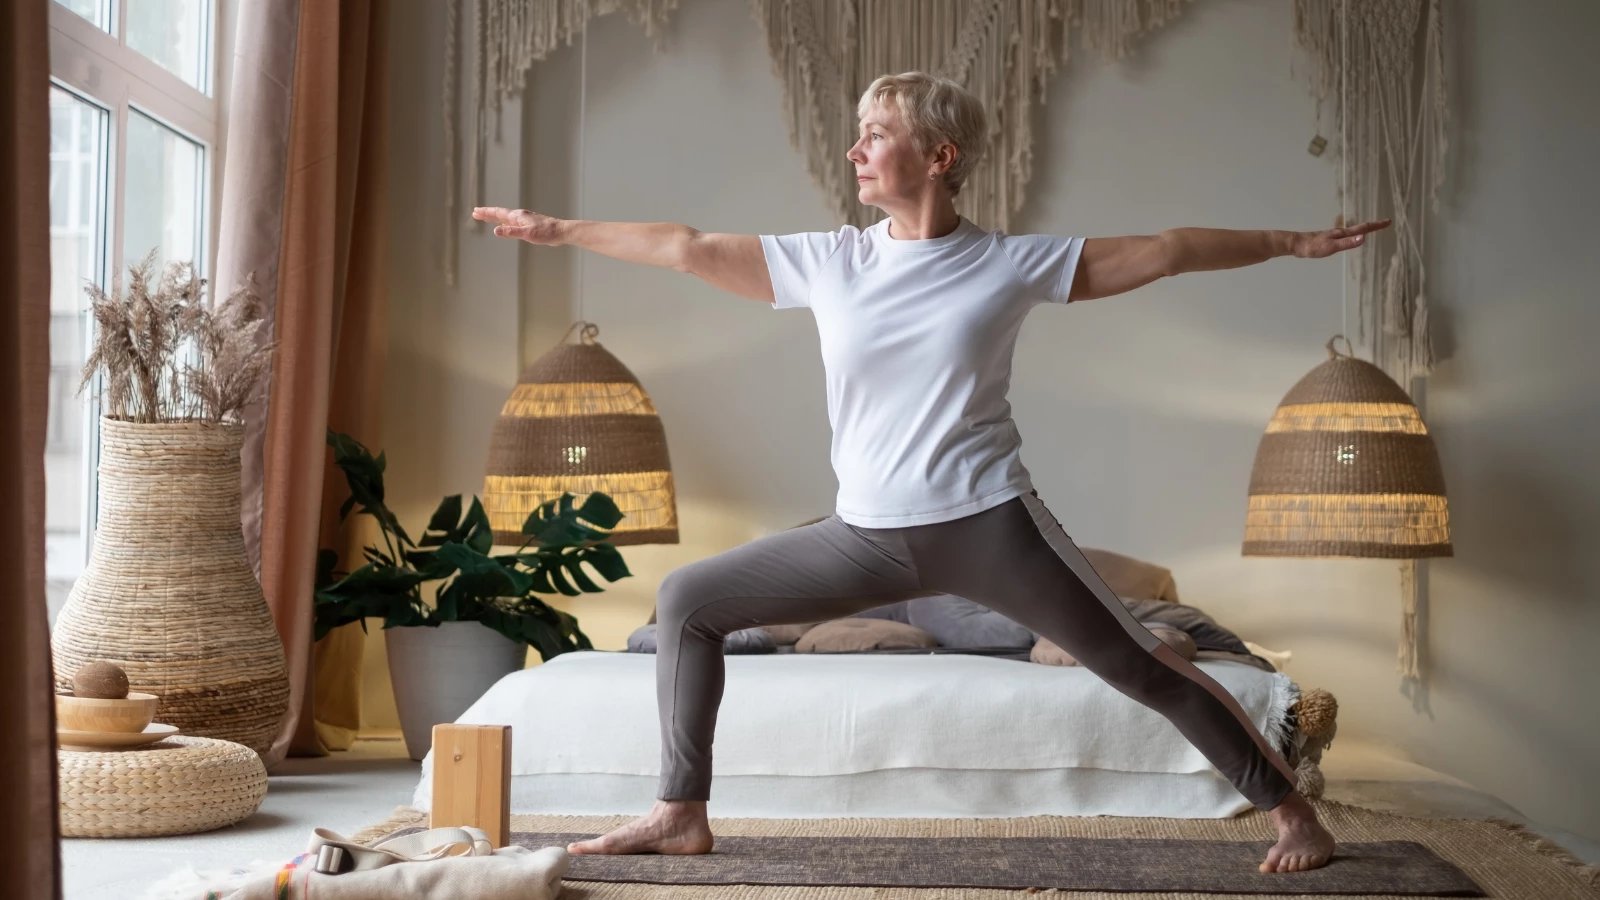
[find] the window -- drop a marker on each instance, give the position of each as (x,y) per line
(135,132)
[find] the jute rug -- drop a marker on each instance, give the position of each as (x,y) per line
(1502,859)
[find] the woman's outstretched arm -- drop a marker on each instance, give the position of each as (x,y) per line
(733,262)
(1111,266)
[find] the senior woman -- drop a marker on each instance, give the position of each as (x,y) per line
(918,318)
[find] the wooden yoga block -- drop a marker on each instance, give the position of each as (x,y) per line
(472,779)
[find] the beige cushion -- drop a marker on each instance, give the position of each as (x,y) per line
(1178,640)
(783,635)
(1046,652)
(850,635)
(1129,577)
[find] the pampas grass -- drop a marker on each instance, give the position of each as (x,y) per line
(149,338)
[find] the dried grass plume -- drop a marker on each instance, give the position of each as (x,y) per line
(169,355)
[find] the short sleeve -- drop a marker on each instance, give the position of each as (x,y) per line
(1045,263)
(795,260)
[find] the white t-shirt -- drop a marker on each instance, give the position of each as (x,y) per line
(917,341)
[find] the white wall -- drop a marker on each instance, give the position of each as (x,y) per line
(1140,414)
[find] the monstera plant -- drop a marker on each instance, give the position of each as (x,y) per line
(440,662)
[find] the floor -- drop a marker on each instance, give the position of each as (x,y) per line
(351,790)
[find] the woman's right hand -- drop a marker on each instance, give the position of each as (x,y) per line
(520,224)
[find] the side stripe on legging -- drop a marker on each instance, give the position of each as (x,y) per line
(1058,540)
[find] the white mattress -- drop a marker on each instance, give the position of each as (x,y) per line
(804,735)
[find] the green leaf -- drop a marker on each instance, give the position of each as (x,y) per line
(481,578)
(429,564)
(541,580)
(542,637)
(448,607)
(365,478)
(560,581)
(379,579)
(510,626)
(574,565)
(447,515)
(480,534)
(568,625)
(607,561)
(393,524)
(601,510)
(408,617)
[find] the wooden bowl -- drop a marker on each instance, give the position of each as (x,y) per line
(111,740)
(129,716)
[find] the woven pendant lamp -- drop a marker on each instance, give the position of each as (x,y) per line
(1347,468)
(579,421)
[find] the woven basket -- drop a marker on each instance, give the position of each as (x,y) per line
(579,421)
(179,786)
(1347,468)
(168,593)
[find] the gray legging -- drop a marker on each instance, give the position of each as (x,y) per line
(1013,558)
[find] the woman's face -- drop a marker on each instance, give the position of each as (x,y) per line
(888,166)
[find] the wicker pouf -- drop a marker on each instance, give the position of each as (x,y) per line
(178,786)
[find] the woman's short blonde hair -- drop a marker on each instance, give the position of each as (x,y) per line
(935,110)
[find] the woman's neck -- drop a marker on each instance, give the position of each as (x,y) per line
(934,218)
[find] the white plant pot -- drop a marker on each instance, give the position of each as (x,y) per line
(438,672)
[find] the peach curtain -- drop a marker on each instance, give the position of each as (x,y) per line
(28,821)
(303,209)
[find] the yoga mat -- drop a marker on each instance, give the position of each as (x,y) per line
(1505,860)
(1396,868)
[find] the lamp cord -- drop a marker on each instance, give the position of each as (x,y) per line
(1344,162)
(583,91)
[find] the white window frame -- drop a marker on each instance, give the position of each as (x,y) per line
(99,67)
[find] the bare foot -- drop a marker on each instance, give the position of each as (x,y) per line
(672,826)
(1302,841)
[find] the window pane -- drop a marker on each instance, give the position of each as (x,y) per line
(78,157)
(174,33)
(96,11)
(161,208)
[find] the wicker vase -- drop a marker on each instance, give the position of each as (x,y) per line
(168,593)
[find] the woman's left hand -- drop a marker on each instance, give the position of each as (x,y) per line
(1317,244)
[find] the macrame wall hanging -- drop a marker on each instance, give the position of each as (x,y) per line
(509,36)
(1390,116)
(825,53)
